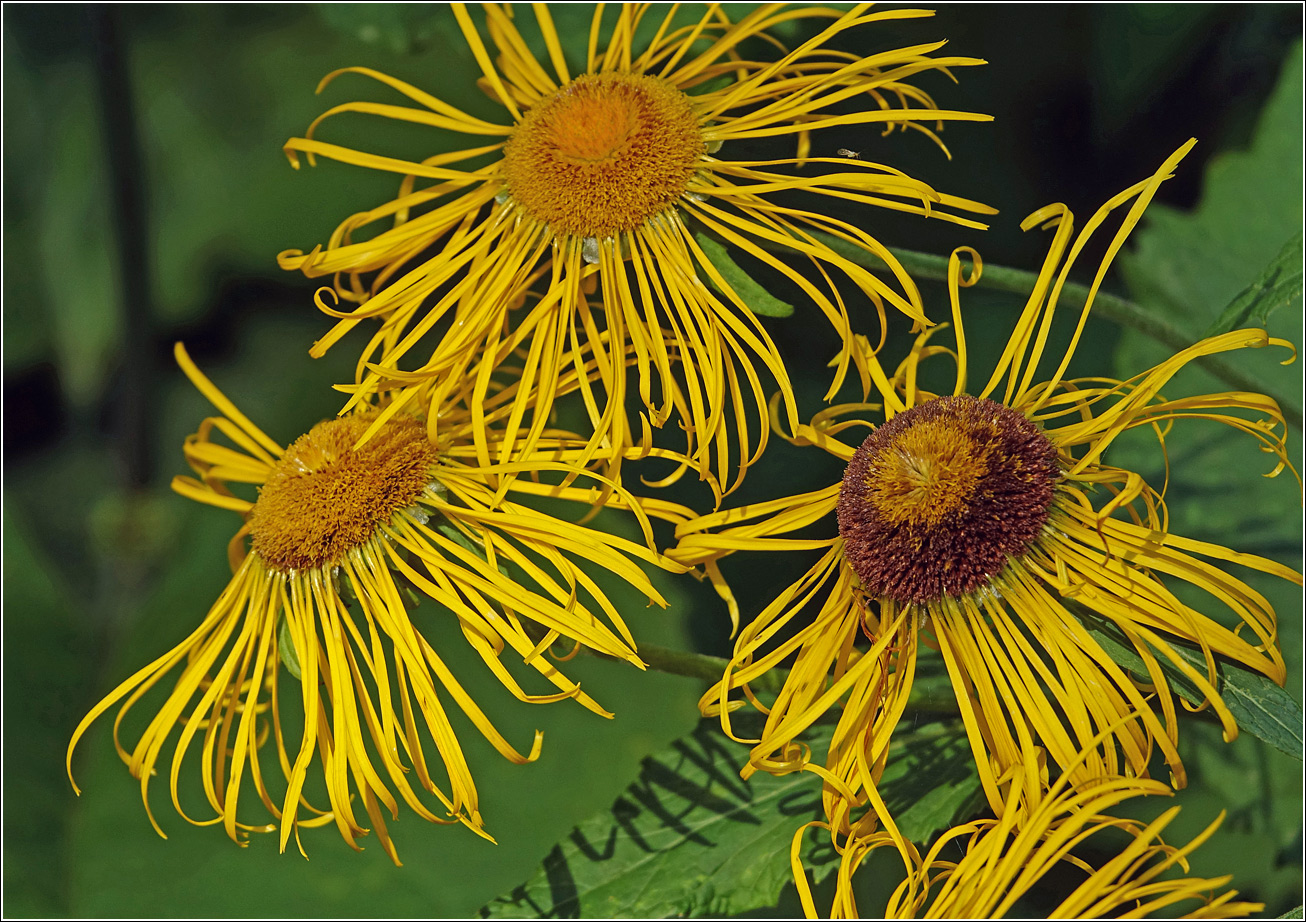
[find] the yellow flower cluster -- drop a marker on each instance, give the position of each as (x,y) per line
(568,267)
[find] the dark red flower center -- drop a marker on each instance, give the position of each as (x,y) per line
(938,499)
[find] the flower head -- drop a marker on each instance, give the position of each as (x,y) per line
(612,173)
(989,527)
(315,616)
(938,499)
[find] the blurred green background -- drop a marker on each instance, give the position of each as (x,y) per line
(146,198)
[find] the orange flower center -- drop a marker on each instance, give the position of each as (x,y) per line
(323,499)
(927,474)
(937,500)
(603,154)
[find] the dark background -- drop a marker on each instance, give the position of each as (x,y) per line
(145,200)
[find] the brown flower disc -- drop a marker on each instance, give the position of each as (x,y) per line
(938,499)
(324,498)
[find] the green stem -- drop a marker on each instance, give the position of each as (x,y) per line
(928,693)
(702,666)
(1117,309)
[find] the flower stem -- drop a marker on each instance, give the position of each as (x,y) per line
(702,666)
(929,693)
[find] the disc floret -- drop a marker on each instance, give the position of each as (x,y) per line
(938,499)
(325,498)
(603,154)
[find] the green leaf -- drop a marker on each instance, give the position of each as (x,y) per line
(1293,913)
(759,300)
(1278,286)
(930,783)
(1188,266)
(451,532)
(45,686)
(286,648)
(1191,264)
(1259,706)
(689,838)
(1264,709)
(456,535)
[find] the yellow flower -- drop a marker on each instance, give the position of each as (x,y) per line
(592,186)
(1004,859)
(980,525)
(315,617)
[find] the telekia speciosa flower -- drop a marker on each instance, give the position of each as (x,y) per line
(580,227)
(989,525)
(311,691)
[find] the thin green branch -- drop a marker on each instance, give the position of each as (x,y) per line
(702,666)
(931,694)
